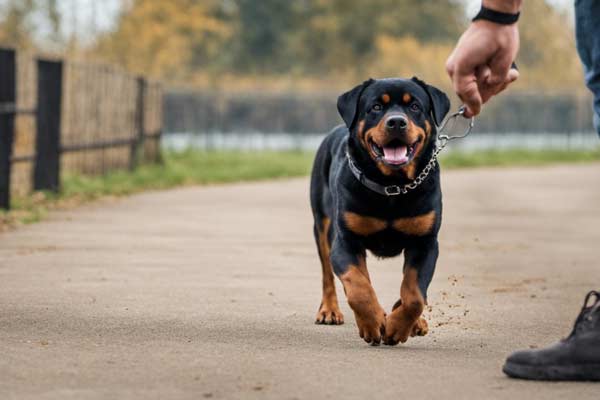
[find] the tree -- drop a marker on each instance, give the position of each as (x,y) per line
(15,26)
(55,21)
(261,34)
(199,40)
(548,56)
(343,34)
(166,38)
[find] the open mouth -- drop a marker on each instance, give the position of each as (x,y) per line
(395,153)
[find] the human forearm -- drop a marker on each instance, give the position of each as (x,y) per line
(505,6)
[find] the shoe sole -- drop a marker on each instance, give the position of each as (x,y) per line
(584,372)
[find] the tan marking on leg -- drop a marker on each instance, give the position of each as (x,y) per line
(400,324)
(369,314)
(420,225)
(329,310)
(363,225)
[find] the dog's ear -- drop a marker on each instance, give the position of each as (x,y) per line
(440,104)
(347,103)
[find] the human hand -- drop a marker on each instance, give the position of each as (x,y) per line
(480,65)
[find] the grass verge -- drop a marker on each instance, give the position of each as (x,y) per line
(197,168)
(178,169)
(517,157)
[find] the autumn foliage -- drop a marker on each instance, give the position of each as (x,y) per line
(305,44)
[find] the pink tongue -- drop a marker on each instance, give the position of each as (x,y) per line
(395,155)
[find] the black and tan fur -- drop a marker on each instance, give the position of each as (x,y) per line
(350,219)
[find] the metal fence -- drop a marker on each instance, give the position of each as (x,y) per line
(59,117)
(292,113)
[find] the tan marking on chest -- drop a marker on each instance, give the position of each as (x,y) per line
(420,225)
(362,225)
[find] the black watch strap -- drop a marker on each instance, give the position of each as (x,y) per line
(496,16)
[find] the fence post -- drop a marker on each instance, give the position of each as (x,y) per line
(49,102)
(160,110)
(7,121)
(140,118)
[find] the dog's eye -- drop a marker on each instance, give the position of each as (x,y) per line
(415,107)
(377,107)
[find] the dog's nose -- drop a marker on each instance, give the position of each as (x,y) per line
(396,123)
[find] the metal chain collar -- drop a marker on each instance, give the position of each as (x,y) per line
(443,139)
(425,173)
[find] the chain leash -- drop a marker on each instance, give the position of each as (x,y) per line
(443,140)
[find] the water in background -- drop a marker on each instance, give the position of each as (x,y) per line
(310,142)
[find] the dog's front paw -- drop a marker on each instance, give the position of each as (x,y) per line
(371,326)
(369,314)
(329,314)
(403,322)
(421,328)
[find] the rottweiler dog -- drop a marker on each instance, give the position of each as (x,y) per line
(360,202)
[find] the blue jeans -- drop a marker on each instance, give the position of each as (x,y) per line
(587,19)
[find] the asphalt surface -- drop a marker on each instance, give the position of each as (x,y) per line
(211,292)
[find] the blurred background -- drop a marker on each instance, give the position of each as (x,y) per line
(238,75)
(265,74)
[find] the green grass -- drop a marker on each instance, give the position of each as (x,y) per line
(177,169)
(198,168)
(517,157)
(192,167)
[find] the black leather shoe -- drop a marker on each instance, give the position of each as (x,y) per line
(576,358)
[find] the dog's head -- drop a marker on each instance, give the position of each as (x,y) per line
(392,122)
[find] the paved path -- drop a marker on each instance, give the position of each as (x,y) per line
(211,293)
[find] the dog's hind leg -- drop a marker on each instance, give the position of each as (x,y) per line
(329,311)
(321,203)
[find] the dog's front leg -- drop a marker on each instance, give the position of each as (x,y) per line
(349,264)
(405,319)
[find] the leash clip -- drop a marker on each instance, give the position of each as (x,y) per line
(445,138)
